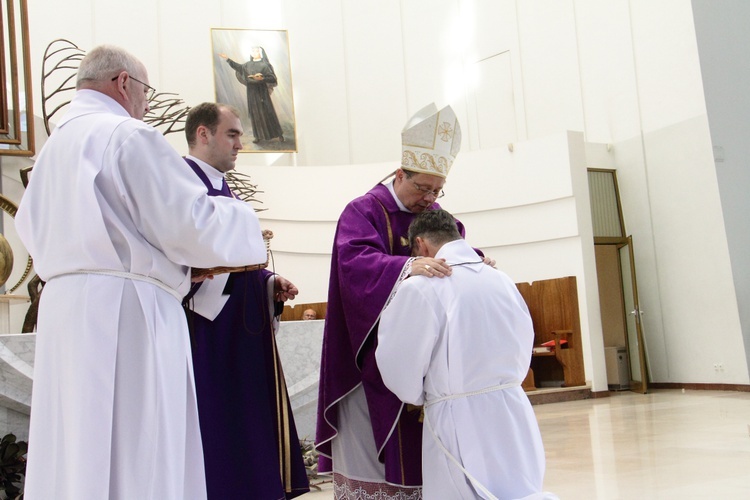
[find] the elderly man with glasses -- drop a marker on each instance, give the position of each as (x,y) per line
(367,438)
(114,221)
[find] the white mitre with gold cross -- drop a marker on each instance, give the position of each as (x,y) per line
(430,141)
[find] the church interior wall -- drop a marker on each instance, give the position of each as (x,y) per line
(492,74)
(681,216)
(321,68)
(606,66)
(360,70)
(724,49)
(644,97)
(549,64)
(689,262)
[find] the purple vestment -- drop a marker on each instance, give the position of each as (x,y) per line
(250,443)
(368,261)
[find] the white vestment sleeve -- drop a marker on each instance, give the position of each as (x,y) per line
(194,221)
(407,334)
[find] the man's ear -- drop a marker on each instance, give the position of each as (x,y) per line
(420,247)
(120,86)
(202,134)
(399,176)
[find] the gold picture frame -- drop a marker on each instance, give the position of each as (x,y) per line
(16,100)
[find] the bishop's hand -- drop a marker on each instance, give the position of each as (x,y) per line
(427,266)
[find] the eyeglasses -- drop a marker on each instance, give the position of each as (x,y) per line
(150,91)
(438,193)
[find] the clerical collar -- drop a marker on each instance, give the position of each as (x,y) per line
(215,177)
(451,264)
(459,253)
(393,193)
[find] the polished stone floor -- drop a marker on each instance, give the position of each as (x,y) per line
(667,444)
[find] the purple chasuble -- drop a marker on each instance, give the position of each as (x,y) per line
(250,443)
(368,259)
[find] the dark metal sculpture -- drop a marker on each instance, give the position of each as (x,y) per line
(59,68)
(167,111)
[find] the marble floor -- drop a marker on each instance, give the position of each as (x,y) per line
(667,444)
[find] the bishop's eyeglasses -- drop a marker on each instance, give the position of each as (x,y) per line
(438,193)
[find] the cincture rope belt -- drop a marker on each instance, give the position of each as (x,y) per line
(448,454)
(128,276)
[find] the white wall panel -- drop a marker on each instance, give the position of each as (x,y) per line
(376,92)
(724,52)
(535,171)
(316,46)
(49,21)
(607,71)
(309,272)
(493,66)
(549,60)
(434,42)
(688,231)
(135,27)
(494,102)
(529,262)
(184,65)
(551,220)
(491,27)
(670,89)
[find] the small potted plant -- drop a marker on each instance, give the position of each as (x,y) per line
(12,467)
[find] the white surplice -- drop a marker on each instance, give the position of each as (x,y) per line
(446,337)
(113,412)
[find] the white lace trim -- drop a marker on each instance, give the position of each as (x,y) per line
(350,489)
(405,272)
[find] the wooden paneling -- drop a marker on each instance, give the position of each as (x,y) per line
(553,305)
(294,313)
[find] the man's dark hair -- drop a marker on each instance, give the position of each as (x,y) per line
(438,226)
(207,114)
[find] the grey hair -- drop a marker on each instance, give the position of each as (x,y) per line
(106,61)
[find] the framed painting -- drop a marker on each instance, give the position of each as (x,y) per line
(252,72)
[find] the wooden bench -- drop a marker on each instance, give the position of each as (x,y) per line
(553,305)
(294,312)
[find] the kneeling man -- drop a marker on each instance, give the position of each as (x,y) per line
(461,346)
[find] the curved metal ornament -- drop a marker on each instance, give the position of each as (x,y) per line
(10,208)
